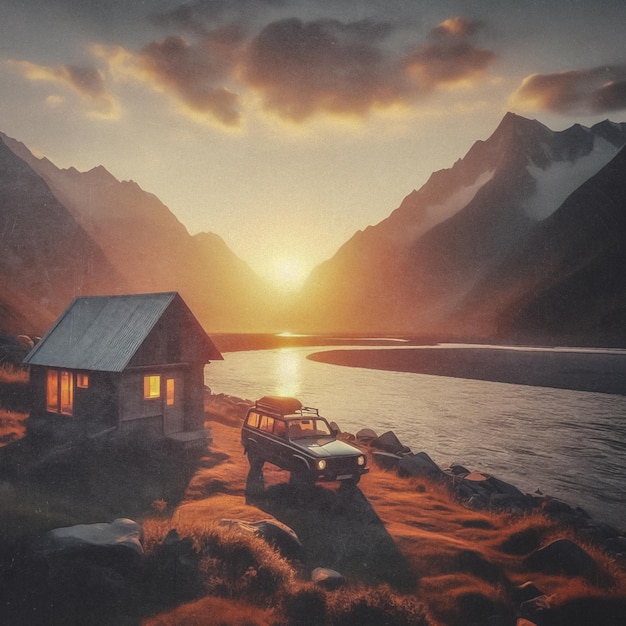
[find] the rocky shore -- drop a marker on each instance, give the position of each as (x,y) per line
(414,544)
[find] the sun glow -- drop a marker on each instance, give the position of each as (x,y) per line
(288,273)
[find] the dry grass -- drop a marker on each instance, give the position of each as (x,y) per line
(12,426)
(411,554)
(13,375)
(463,563)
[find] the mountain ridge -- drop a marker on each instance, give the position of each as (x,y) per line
(486,249)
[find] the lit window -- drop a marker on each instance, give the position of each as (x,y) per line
(60,392)
(67,393)
(82,381)
(151,387)
(170,392)
(52,393)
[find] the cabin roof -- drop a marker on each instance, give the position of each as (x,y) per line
(103,333)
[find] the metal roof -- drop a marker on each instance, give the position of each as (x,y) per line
(100,332)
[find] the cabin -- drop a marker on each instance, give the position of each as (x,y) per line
(124,362)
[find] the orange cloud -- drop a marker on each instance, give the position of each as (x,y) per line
(296,69)
(594,90)
(87,82)
(451,57)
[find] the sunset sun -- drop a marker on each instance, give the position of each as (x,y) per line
(288,273)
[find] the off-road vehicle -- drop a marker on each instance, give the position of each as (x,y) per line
(298,439)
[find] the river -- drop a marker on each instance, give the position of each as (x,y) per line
(568,444)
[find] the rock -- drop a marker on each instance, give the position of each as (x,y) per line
(365,435)
(563,557)
(418,465)
(527,591)
(537,610)
(327,578)
(504,488)
(553,506)
(276,534)
(386,460)
(121,533)
(617,545)
(389,442)
(280,537)
(457,470)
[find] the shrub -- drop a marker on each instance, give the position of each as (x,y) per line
(373,607)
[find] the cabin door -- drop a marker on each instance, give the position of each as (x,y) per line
(174,401)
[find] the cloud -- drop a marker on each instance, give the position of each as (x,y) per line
(195,73)
(85,81)
(303,68)
(593,90)
(296,69)
(202,16)
(300,68)
(451,57)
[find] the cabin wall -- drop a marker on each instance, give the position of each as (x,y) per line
(155,414)
(97,403)
(194,397)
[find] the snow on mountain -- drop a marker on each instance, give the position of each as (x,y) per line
(554,183)
(415,270)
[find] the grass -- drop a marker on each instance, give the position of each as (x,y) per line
(12,426)
(10,374)
(411,554)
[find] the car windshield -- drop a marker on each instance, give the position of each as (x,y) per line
(312,427)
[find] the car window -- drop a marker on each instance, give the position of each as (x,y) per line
(280,428)
(253,420)
(267,423)
(308,428)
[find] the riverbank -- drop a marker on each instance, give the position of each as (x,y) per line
(407,549)
(581,370)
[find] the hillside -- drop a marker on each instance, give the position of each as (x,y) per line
(145,246)
(414,271)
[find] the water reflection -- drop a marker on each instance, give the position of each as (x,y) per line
(531,436)
(287,372)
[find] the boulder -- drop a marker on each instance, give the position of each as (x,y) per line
(525,592)
(327,578)
(563,557)
(389,442)
(276,534)
(537,611)
(420,465)
(120,533)
(365,435)
(386,460)
(457,470)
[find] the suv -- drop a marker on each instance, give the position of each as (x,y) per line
(297,439)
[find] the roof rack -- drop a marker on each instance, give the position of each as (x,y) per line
(285,406)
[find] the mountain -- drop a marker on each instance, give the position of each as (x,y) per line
(46,256)
(142,245)
(423,269)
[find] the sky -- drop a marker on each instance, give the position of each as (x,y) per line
(286,126)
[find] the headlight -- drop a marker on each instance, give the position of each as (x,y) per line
(321,464)
(361,460)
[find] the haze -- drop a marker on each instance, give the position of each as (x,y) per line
(283,126)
